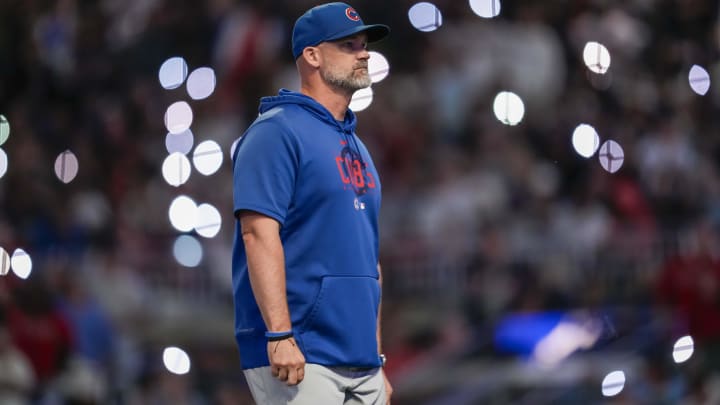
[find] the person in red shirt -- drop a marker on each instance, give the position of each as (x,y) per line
(689,287)
(39,329)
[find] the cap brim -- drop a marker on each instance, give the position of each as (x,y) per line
(375,32)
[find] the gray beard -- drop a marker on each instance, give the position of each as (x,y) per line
(349,83)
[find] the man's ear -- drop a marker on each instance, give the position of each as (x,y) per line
(311,55)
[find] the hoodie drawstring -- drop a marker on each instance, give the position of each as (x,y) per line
(349,137)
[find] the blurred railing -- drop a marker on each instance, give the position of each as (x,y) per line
(620,270)
(624,262)
(621,265)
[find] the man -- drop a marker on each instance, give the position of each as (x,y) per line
(306,277)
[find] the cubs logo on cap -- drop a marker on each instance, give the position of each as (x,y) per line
(331,21)
(352,14)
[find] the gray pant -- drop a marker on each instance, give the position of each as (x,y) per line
(321,386)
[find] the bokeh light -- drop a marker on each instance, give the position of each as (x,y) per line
(181,142)
(683,349)
(201,83)
(585,140)
(183,213)
(562,341)
(596,57)
(176,360)
(173,73)
(485,8)
(425,17)
(21,263)
(698,78)
(4,262)
(4,129)
(509,108)
(176,169)
(178,117)
(208,157)
(611,156)
(66,166)
(361,99)
(378,66)
(613,383)
(3,163)
(187,250)
(209,221)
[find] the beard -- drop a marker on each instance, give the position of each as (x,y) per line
(350,82)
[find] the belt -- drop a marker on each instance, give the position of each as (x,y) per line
(355,369)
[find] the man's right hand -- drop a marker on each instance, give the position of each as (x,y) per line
(287,362)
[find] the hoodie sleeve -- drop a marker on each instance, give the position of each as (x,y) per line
(265,169)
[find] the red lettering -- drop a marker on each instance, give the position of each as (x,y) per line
(351,171)
(358,178)
(341,169)
(371,180)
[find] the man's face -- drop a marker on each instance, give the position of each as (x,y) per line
(345,63)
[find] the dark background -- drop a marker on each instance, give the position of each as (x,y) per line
(492,235)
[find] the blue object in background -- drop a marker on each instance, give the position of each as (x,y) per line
(520,333)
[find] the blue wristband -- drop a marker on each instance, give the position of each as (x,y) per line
(274,336)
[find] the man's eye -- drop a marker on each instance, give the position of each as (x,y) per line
(353,45)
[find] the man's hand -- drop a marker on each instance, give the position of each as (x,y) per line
(287,362)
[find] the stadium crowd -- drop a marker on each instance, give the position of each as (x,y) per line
(480,220)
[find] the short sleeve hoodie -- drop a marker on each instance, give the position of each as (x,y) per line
(312,174)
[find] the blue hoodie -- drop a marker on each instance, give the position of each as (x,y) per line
(311,173)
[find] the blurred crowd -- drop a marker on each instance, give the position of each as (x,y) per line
(480,220)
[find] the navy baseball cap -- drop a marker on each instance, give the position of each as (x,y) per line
(331,21)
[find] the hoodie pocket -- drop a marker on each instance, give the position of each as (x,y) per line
(341,327)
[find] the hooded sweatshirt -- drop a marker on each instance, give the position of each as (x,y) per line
(312,174)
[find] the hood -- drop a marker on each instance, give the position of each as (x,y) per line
(291,97)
